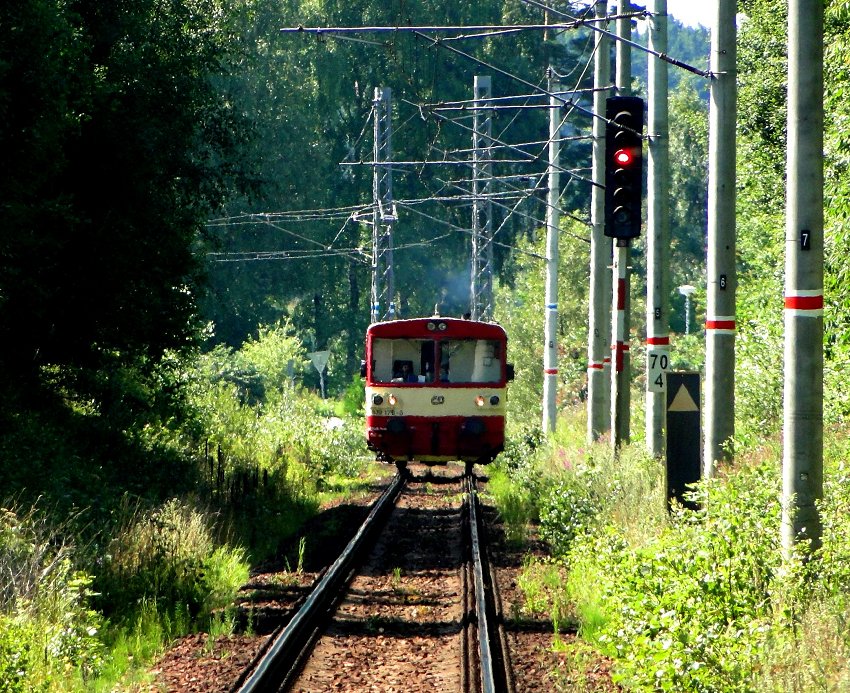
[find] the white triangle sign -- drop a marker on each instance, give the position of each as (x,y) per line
(683,401)
(319,359)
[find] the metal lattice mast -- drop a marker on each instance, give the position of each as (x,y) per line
(383,213)
(481,280)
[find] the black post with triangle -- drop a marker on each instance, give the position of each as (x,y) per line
(684,435)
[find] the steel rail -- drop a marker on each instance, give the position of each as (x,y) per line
(488,677)
(285,652)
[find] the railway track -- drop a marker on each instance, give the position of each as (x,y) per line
(411,596)
(494,670)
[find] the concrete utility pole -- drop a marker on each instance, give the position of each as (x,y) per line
(658,236)
(722,279)
(802,463)
(383,213)
(550,350)
(481,284)
(598,356)
(620,376)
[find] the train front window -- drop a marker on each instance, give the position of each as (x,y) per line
(402,360)
(470,361)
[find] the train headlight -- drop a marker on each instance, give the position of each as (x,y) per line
(377,400)
(393,400)
(432,326)
(479,401)
(442,326)
(494,400)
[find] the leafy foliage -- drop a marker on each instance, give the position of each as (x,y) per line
(520,308)
(47,623)
(117,153)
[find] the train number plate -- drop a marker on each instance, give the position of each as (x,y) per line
(438,399)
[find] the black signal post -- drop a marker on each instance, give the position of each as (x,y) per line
(623,166)
(623,193)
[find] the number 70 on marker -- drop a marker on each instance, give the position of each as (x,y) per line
(657,365)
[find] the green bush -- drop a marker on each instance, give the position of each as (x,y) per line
(690,608)
(47,629)
(168,556)
(514,503)
(567,511)
(17,660)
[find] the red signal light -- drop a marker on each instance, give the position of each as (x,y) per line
(623,157)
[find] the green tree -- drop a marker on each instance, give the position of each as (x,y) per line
(119,149)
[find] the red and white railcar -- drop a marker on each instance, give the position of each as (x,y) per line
(436,390)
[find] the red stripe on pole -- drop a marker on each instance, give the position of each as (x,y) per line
(720,324)
(619,355)
(550,371)
(804,302)
(596,366)
(658,341)
(621,294)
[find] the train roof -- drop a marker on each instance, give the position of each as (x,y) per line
(456,328)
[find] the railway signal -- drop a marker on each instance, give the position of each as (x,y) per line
(623,166)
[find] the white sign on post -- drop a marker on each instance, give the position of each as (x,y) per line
(657,366)
(320,360)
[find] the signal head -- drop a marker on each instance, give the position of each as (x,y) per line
(623,166)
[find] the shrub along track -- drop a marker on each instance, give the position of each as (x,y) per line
(401,625)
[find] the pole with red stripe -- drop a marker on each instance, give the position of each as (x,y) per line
(599,323)
(802,463)
(620,393)
(721,276)
(657,235)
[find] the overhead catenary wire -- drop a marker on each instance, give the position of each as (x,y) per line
(449,28)
(511,147)
(661,56)
(469,103)
(510,75)
(351,213)
(466,231)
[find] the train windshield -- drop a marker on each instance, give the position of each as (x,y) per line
(470,361)
(403,360)
(457,360)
